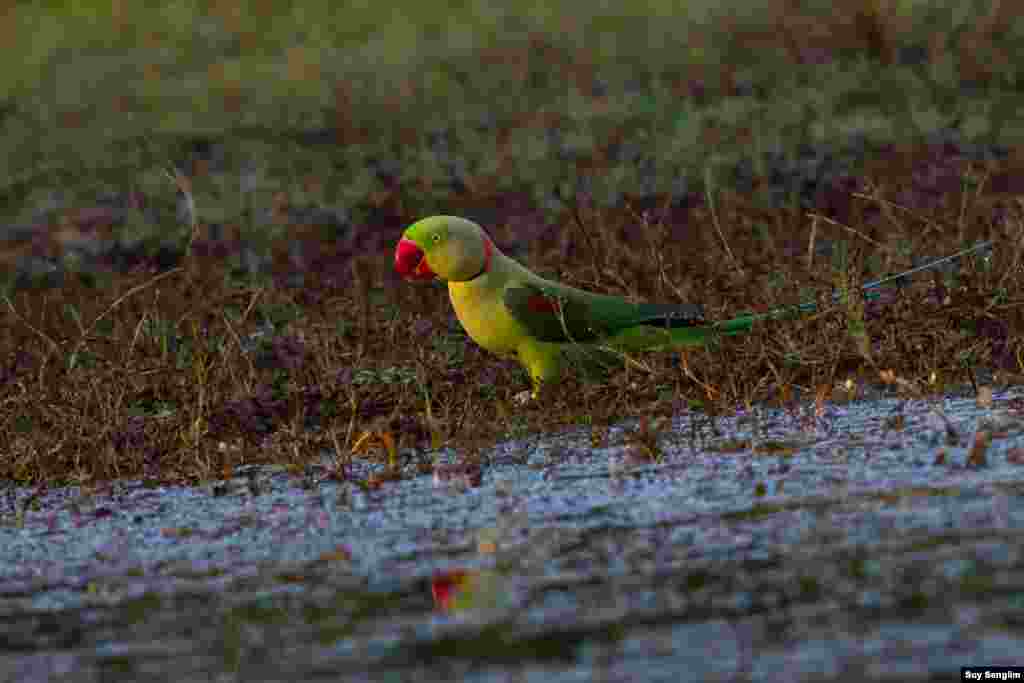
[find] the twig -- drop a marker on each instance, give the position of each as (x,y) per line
(810,240)
(894,205)
(714,218)
(849,229)
(54,346)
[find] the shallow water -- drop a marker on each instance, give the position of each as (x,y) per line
(761,546)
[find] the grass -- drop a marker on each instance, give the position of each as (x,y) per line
(248,181)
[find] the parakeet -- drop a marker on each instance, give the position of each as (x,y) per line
(547,326)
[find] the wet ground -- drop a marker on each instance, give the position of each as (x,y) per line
(880,540)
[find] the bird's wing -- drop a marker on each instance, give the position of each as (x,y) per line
(554,313)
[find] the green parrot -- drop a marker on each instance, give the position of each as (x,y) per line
(547,326)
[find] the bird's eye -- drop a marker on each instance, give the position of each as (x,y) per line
(435,238)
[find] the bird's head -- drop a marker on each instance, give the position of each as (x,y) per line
(445,247)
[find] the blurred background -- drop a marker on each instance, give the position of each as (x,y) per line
(351,120)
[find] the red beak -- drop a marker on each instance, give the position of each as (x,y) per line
(411,262)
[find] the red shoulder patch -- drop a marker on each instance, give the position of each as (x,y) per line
(538,303)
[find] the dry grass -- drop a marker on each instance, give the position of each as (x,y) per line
(160,376)
(185,373)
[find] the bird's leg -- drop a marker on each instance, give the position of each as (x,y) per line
(524,397)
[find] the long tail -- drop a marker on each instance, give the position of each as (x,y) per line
(698,336)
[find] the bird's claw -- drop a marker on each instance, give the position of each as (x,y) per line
(524,397)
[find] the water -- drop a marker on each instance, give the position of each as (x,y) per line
(759,547)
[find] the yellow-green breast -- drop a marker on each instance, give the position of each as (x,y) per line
(481,310)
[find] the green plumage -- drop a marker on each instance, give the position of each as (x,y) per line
(547,326)
(550,327)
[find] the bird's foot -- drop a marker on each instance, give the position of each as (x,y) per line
(524,397)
